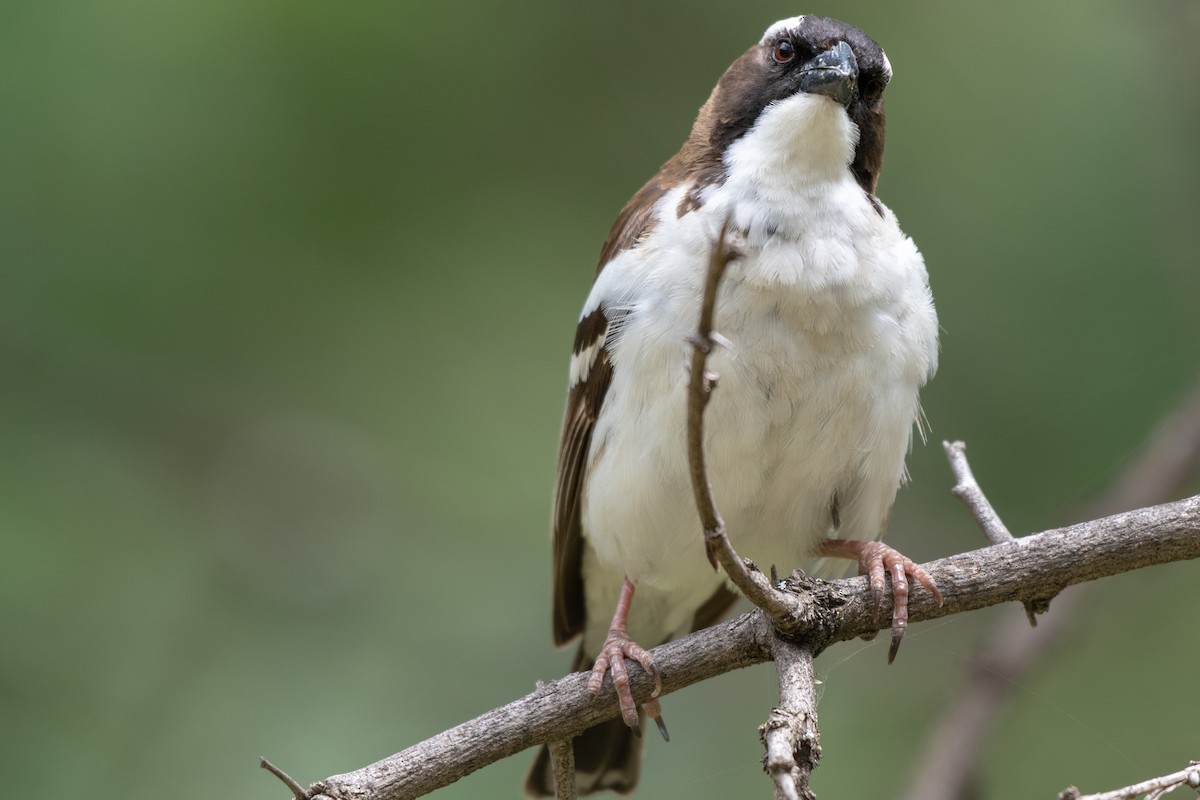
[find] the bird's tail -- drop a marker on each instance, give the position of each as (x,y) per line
(607,756)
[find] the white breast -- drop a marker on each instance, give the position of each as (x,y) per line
(833,332)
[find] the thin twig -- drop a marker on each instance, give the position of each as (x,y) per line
(562,759)
(966,488)
(1153,788)
(752,583)
(790,735)
(833,611)
(953,752)
(297,790)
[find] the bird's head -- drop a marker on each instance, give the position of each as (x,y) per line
(812,88)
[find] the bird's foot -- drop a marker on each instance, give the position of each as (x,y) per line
(877,560)
(618,647)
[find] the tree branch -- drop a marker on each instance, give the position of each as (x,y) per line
(790,735)
(966,488)
(296,789)
(1153,789)
(562,758)
(954,749)
(790,626)
(1035,566)
(753,585)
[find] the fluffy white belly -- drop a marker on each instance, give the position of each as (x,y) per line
(814,408)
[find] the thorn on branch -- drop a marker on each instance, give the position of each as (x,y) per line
(705,345)
(1036,606)
(298,791)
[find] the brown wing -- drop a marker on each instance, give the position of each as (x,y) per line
(586,396)
(584,401)
(583,406)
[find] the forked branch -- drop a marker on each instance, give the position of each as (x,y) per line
(1034,566)
(794,622)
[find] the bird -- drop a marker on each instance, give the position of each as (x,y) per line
(828,330)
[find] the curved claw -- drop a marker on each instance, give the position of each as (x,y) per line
(879,562)
(651,667)
(654,710)
(899,568)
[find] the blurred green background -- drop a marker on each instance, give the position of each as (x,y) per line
(288,292)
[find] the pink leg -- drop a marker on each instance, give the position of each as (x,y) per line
(617,647)
(874,560)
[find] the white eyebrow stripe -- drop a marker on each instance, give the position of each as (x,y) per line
(781,26)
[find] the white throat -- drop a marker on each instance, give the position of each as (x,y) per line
(808,138)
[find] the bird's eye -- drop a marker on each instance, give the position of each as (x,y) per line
(784,52)
(872,89)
